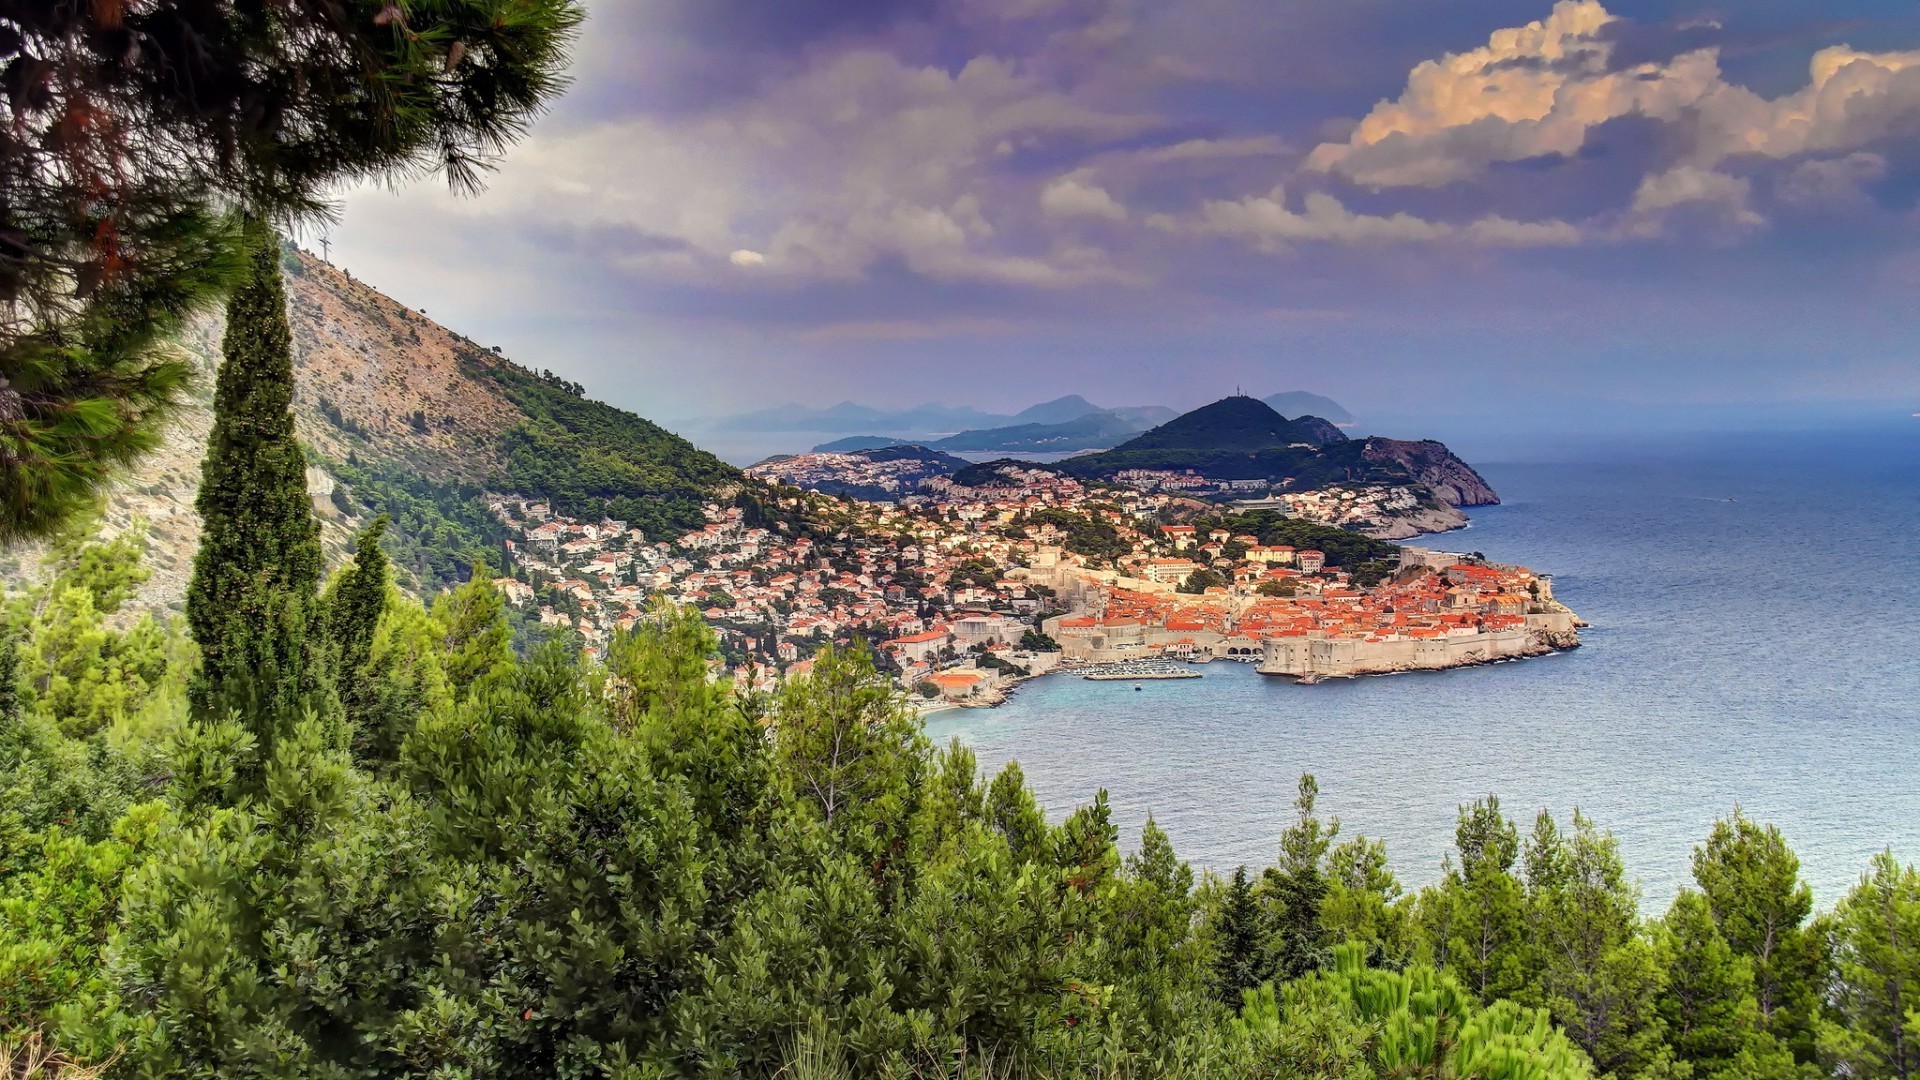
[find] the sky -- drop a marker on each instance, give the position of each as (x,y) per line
(1504,212)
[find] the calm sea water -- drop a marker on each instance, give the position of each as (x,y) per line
(1755,603)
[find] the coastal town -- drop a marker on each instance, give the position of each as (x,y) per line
(962,590)
(1385,510)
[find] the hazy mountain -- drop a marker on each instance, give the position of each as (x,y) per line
(1092,432)
(850,417)
(1057,411)
(853,418)
(1299,403)
(852,443)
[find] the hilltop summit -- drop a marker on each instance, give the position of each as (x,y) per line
(1237,423)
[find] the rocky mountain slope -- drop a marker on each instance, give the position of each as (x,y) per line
(404,416)
(1452,480)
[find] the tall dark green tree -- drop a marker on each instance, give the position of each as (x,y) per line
(354,602)
(1484,905)
(1871,1025)
(1294,889)
(1240,959)
(1751,879)
(1596,972)
(251,602)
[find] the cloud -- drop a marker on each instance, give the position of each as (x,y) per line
(860,160)
(743,257)
(1834,182)
(1267,221)
(1709,196)
(1073,196)
(1541,89)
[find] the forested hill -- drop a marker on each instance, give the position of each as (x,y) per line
(1237,423)
(404,416)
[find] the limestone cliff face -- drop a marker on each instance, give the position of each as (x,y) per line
(1428,519)
(1453,481)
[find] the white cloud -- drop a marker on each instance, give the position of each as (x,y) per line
(1073,196)
(743,257)
(1541,89)
(1267,221)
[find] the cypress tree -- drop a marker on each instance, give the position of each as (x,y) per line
(1295,889)
(251,601)
(1240,957)
(355,600)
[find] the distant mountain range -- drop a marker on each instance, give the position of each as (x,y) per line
(1236,420)
(936,420)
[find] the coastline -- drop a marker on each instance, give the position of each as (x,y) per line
(1089,673)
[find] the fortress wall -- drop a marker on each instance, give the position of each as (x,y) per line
(1335,657)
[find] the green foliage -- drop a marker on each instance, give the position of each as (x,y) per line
(1293,889)
(1752,885)
(1357,1022)
(1871,1026)
(1481,906)
(66,660)
(1239,940)
(1707,1003)
(1035,641)
(588,459)
(1081,533)
(1201,580)
(475,638)
(1345,549)
(250,604)
(1593,969)
(441,528)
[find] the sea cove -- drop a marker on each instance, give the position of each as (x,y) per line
(1754,605)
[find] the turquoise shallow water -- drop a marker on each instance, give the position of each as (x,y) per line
(1756,640)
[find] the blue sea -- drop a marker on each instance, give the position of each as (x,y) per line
(1755,601)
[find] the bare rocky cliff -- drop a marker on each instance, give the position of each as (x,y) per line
(1452,481)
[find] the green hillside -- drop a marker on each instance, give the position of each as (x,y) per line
(588,458)
(1238,423)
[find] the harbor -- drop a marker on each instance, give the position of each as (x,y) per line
(1129,670)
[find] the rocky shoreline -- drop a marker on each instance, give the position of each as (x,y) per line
(1431,519)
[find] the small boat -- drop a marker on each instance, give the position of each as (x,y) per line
(1136,688)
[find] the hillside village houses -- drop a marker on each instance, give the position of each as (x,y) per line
(948,588)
